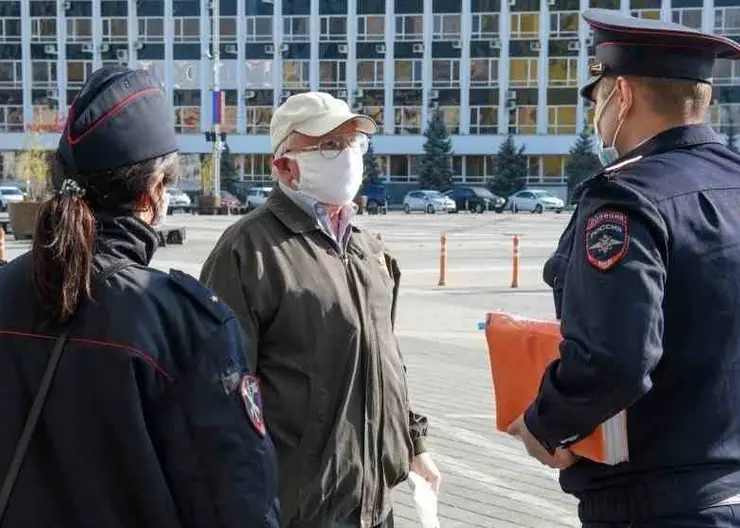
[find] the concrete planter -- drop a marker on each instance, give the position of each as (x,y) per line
(23,218)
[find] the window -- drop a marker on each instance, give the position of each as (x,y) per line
(10,74)
(408,73)
(726,72)
(258,167)
(187,119)
(115,29)
(408,120)
(43,29)
(79,29)
(296,29)
(409,27)
(564,24)
(561,119)
(451,115)
(227,28)
(44,72)
(727,20)
(687,17)
(445,73)
(552,167)
(151,29)
(523,72)
(485,25)
(259,28)
(10,29)
(650,14)
(332,73)
(157,69)
(258,73)
(370,73)
(371,27)
(589,111)
(399,168)
(376,113)
(333,28)
(77,72)
(11,118)
(523,120)
(484,72)
(478,168)
(484,119)
(446,27)
(187,29)
(525,25)
(722,115)
(186,75)
(295,73)
(563,71)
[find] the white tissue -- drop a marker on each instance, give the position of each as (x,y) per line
(425,500)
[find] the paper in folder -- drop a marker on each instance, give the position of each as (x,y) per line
(519,351)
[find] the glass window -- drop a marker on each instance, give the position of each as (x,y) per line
(408,72)
(409,27)
(399,168)
(258,119)
(10,30)
(408,120)
(525,118)
(484,72)
(187,29)
(333,28)
(78,71)
(295,73)
(43,29)
(485,25)
(296,28)
(227,27)
(475,166)
(523,72)
(564,24)
(150,28)
(10,73)
(369,73)
(687,17)
(44,72)
(371,27)
(187,120)
(524,25)
(446,26)
(483,119)
(259,29)
(375,112)
(649,14)
(79,28)
(258,73)
(563,71)
(451,116)
(445,73)
(561,119)
(115,29)
(552,166)
(332,73)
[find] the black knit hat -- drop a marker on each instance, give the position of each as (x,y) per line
(119,118)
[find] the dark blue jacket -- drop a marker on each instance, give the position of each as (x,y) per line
(647,276)
(145,424)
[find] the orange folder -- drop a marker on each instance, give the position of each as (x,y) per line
(520,349)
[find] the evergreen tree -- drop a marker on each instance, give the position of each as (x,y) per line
(435,167)
(510,173)
(371,174)
(731,134)
(228,165)
(582,161)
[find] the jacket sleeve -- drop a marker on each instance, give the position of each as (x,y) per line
(612,321)
(418,423)
(219,461)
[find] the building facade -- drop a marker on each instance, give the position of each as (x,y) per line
(491,66)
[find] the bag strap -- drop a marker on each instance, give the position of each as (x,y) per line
(40,399)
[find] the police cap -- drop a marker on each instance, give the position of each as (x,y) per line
(652,48)
(119,118)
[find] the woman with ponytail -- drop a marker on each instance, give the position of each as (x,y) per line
(126,397)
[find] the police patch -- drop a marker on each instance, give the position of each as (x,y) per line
(607,238)
(252,397)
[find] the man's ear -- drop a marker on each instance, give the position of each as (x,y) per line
(287,170)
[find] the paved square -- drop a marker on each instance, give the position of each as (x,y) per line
(488,479)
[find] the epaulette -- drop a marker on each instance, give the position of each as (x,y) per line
(606,174)
(200,295)
(611,170)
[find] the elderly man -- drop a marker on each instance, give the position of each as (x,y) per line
(316,298)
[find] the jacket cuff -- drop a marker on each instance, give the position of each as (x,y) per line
(535,427)
(419,446)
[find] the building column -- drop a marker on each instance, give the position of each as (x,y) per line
(665,10)
(26,70)
(503,68)
(97,35)
(132,35)
(542,69)
(389,72)
(466,27)
(351,64)
(241,112)
(707,16)
(277,61)
(315,22)
(426,63)
(582,67)
(62,60)
(205,67)
(624,7)
(169,49)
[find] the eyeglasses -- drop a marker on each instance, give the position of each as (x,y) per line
(331,147)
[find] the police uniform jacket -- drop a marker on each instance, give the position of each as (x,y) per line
(319,326)
(145,424)
(647,281)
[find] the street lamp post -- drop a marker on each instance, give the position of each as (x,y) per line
(216,97)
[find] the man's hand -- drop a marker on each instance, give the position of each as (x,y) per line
(562,459)
(424,466)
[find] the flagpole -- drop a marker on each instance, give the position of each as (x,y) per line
(216,97)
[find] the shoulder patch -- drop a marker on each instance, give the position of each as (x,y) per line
(607,238)
(252,399)
(197,292)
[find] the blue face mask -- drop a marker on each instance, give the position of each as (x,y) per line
(607,155)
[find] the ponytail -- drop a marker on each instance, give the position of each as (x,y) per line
(62,252)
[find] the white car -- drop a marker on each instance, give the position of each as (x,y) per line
(9,194)
(428,201)
(535,201)
(256,196)
(177,199)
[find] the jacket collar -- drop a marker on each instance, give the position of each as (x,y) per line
(126,237)
(295,217)
(674,138)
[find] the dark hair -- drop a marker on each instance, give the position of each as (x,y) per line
(65,237)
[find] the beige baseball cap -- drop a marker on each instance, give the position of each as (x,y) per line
(313,114)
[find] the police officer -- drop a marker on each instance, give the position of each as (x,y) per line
(648,282)
(147,414)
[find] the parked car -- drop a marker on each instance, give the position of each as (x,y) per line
(377,197)
(9,194)
(476,199)
(428,201)
(535,201)
(256,196)
(178,200)
(232,202)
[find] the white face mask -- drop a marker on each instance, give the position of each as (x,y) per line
(330,181)
(164,204)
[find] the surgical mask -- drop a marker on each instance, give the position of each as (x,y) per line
(607,155)
(333,181)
